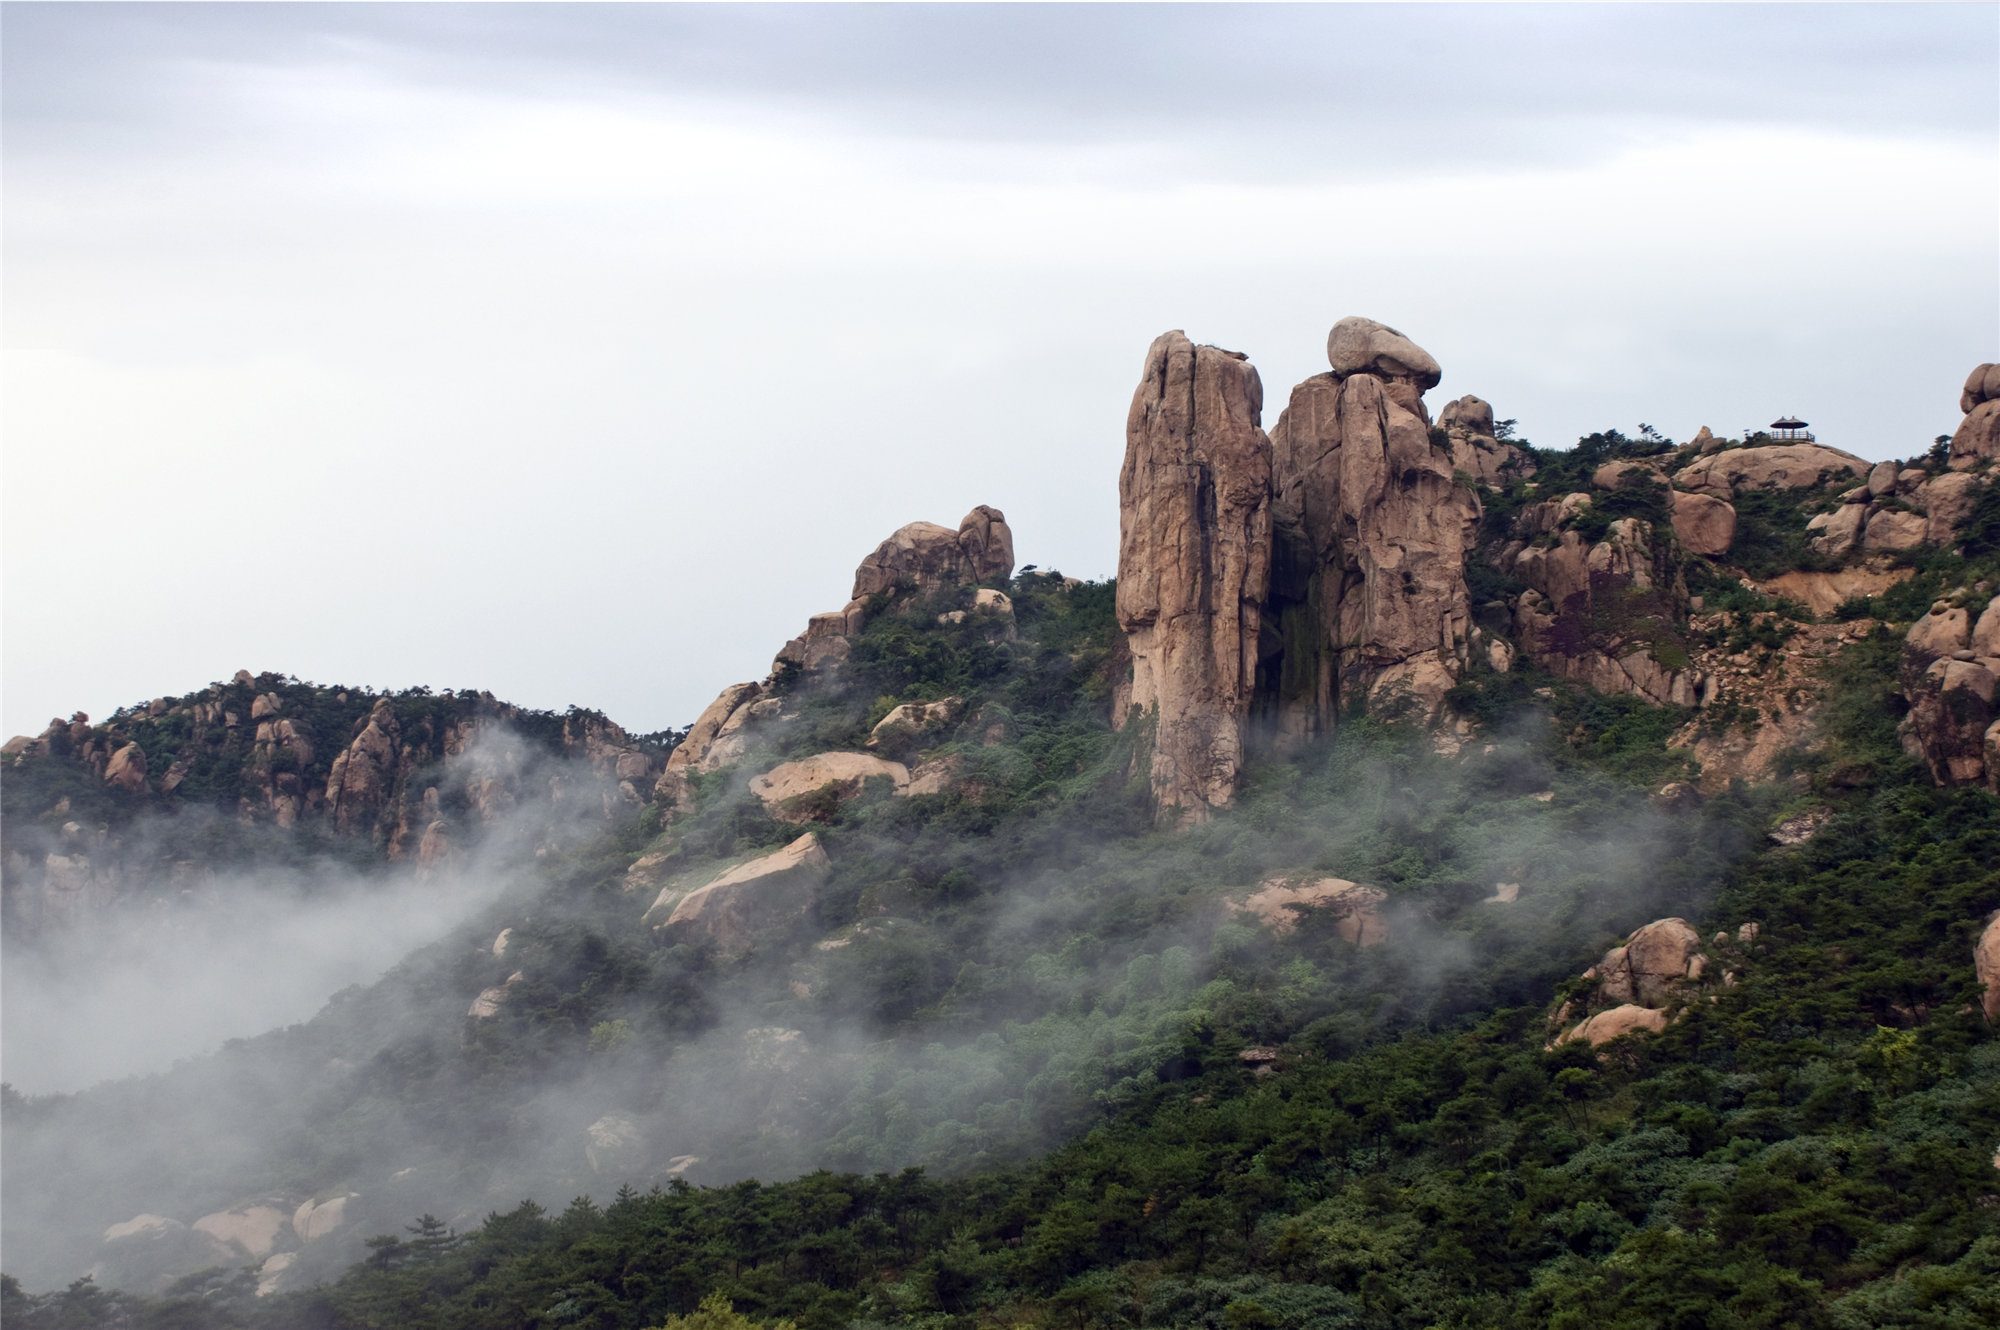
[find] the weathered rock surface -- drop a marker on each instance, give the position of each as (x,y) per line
(988,544)
(1194,552)
(912,721)
(1776,466)
(1652,964)
(253,1229)
(1371,529)
(925,555)
(1823,592)
(1978,436)
(1704,524)
(846,773)
(1278,903)
(1364,346)
(1599,613)
(312,1221)
(712,741)
(359,783)
(1951,708)
(1468,425)
(732,910)
(127,768)
(1986,964)
(1893,529)
(1617,1023)
(920,554)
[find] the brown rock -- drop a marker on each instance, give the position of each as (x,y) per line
(1825,592)
(1839,531)
(1977,437)
(1893,529)
(1948,501)
(730,911)
(1371,528)
(1950,711)
(1944,631)
(912,721)
(1363,346)
(1882,480)
(921,555)
(1652,963)
(1777,466)
(1472,414)
(1629,471)
(1982,385)
(1985,639)
(364,771)
(694,751)
(847,773)
(1705,524)
(988,544)
(1986,964)
(127,769)
(1617,1023)
(1278,902)
(1705,442)
(1194,552)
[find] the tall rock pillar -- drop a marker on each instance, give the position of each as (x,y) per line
(1194,558)
(1368,595)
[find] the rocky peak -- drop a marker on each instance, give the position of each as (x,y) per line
(1368,593)
(1285,575)
(1978,436)
(1194,559)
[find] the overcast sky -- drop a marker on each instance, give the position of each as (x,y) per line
(578,353)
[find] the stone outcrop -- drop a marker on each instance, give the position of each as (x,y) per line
(127,769)
(252,1229)
(1977,438)
(1986,964)
(1636,984)
(784,789)
(921,557)
(1279,902)
(988,544)
(312,1221)
(1475,452)
(362,775)
(1653,964)
(904,726)
(1194,555)
(1616,1024)
(924,555)
(1774,466)
(1950,670)
(716,738)
(732,910)
(1371,529)
(1703,524)
(1603,613)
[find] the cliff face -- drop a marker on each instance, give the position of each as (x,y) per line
(1373,525)
(1268,586)
(1265,583)
(1194,560)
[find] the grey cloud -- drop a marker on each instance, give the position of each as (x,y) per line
(1246,90)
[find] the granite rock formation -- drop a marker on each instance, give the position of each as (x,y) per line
(1371,529)
(1194,558)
